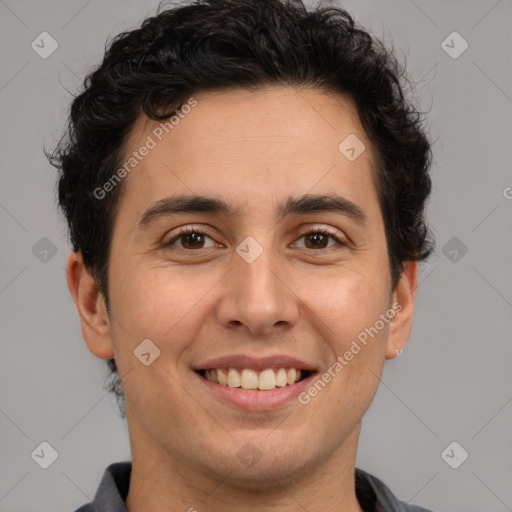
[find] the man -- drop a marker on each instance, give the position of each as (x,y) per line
(245,186)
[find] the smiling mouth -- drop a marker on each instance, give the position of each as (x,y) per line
(255,380)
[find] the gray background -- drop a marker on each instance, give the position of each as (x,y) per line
(453,382)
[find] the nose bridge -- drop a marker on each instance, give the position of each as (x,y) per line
(260,277)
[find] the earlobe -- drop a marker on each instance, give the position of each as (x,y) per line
(90,306)
(404,297)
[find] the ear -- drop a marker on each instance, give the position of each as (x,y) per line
(91,307)
(404,296)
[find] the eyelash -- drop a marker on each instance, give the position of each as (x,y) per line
(191,229)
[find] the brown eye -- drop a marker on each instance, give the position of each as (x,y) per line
(319,239)
(191,239)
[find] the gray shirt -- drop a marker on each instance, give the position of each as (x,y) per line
(372,494)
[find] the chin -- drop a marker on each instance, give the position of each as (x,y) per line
(267,475)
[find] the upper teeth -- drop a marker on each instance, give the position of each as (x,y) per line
(250,379)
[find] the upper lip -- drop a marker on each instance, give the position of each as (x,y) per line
(256,363)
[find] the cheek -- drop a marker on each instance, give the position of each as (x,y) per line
(159,305)
(164,308)
(349,305)
(351,325)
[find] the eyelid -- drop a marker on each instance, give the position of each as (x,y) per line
(184,230)
(320,227)
(338,235)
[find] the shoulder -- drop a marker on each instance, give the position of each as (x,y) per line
(384,499)
(112,490)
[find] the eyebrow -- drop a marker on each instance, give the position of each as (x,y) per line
(308,203)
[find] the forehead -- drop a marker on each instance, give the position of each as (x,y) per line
(246,144)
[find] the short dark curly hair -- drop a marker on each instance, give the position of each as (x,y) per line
(224,44)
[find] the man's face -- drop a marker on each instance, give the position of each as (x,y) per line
(249,284)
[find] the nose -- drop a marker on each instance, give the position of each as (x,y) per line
(258,297)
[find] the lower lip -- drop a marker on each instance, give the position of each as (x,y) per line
(253,400)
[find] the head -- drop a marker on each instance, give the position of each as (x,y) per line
(248,105)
